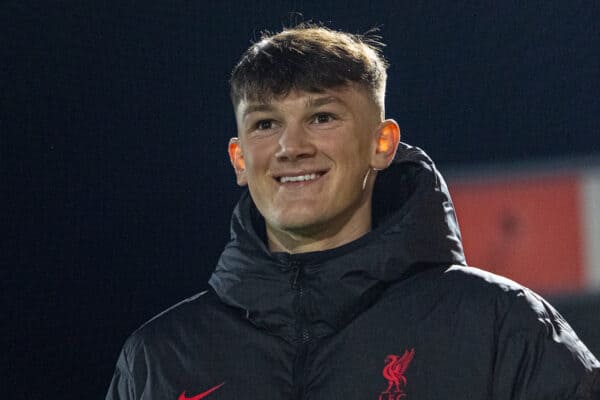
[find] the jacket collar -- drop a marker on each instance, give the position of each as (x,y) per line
(415,228)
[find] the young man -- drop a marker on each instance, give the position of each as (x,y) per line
(326,291)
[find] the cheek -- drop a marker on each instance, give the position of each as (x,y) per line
(355,158)
(256,167)
(258,153)
(252,162)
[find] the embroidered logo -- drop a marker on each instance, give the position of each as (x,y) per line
(202,395)
(394,370)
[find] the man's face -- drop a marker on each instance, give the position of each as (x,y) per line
(304,158)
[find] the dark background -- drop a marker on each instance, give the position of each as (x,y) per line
(114,121)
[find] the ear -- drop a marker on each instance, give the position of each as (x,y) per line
(237,161)
(388,138)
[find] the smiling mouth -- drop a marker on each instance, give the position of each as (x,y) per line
(300,178)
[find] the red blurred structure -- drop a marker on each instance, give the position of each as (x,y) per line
(538,229)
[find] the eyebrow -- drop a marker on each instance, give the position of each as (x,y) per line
(310,103)
(321,101)
(256,108)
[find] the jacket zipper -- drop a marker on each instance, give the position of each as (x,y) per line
(303,331)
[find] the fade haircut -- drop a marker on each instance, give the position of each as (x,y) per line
(310,58)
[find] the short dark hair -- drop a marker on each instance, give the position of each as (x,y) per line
(311,58)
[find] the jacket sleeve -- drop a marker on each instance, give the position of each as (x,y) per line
(122,384)
(540,357)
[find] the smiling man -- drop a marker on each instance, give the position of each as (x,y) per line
(309,160)
(345,276)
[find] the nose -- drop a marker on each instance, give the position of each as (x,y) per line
(294,144)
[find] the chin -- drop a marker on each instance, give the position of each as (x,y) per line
(295,223)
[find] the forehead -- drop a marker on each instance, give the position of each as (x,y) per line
(349,96)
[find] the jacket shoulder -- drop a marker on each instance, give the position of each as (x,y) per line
(145,347)
(516,307)
(537,348)
(507,297)
(190,313)
(482,282)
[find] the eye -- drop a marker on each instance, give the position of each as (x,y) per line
(264,124)
(323,118)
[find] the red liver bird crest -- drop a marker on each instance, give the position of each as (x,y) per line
(394,370)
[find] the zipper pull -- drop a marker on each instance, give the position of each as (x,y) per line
(295,278)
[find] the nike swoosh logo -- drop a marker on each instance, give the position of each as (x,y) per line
(202,395)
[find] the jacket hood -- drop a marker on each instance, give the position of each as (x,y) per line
(415,228)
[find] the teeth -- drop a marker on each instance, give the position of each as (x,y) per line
(301,178)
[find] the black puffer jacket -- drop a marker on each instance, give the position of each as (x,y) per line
(394,314)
